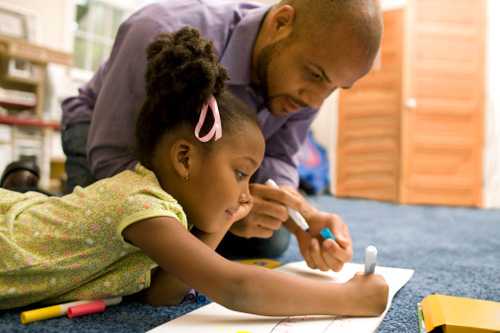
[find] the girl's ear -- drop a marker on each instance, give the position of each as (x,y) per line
(182,155)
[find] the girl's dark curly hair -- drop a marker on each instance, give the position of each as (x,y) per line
(182,73)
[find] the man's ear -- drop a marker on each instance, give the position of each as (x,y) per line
(182,157)
(282,21)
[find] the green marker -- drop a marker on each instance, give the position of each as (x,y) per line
(421,323)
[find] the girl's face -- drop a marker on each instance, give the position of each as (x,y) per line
(220,182)
(212,185)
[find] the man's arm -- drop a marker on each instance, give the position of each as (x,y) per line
(112,132)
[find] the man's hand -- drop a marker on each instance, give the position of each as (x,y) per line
(318,252)
(268,213)
(243,210)
(324,254)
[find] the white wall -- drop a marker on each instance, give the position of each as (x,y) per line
(325,131)
(268,1)
(52,20)
(492,119)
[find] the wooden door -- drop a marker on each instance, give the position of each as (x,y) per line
(442,115)
(368,145)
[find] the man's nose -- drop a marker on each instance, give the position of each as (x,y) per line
(314,97)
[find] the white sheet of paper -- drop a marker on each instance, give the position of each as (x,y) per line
(214,318)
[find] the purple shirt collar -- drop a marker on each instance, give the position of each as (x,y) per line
(237,56)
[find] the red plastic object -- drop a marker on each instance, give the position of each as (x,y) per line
(85,309)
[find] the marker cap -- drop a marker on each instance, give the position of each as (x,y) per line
(370,259)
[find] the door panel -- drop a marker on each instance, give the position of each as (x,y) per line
(442,131)
(368,146)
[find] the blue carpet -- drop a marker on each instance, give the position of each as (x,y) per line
(454,251)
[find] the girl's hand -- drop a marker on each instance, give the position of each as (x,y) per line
(368,294)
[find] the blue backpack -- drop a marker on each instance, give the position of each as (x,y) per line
(314,167)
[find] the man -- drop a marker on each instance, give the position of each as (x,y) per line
(283,60)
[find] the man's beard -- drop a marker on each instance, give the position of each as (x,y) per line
(263,64)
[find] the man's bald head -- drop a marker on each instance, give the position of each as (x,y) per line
(306,49)
(359,20)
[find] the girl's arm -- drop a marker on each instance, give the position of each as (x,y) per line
(250,288)
(167,289)
(211,240)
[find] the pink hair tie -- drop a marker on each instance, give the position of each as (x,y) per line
(216,129)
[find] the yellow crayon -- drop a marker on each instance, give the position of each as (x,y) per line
(48,312)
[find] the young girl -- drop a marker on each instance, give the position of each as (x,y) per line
(152,231)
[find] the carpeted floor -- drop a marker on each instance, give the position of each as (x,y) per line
(454,251)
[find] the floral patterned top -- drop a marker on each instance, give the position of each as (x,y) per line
(56,249)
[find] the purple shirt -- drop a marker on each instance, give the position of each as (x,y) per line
(111,100)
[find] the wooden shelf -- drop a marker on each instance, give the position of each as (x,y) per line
(21,49)
(23,80)
(37,57)
(31,122)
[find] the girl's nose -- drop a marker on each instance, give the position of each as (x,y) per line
(245,197)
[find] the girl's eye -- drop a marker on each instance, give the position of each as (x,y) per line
(240,175)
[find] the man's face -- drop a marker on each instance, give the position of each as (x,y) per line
(299,72)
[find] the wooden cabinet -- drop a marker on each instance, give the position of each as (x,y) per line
(411,131)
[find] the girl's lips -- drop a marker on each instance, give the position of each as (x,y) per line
(230,213)
(233,211)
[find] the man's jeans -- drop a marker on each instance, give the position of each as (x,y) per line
(74,143)
(234,247)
